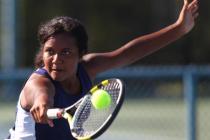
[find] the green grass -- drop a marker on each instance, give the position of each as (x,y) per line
(203,124)
(159,119)
(152,118)
(7,111)
(141,119)
(7,117)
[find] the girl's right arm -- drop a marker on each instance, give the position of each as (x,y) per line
(37,96)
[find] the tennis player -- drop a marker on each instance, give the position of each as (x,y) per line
(65,70)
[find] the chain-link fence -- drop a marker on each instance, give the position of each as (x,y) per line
(161,103)
(167,103)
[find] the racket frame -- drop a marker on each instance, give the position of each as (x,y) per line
(112,116)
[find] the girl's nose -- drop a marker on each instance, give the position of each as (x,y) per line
(57,59)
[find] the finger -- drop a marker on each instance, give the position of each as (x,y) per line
(193,4)
(50,123)
(194,10)
(37,113)
(185,6)
(185,2)
(43,116)
(34,115)
(196,15)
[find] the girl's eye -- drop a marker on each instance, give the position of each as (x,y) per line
(66,52)
(50,51)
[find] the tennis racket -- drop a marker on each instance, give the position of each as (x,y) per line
(84,120)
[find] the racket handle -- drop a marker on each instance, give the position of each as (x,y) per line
(55,113)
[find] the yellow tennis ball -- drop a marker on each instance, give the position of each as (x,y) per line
(101,99)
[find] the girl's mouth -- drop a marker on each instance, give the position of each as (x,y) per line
(57,70)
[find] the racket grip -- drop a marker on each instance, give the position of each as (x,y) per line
(55,113)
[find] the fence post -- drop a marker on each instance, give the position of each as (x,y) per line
(190,85)
(8,34)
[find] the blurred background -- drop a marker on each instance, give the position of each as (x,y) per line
(167,93)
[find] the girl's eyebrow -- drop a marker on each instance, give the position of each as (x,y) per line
(47,47)
(67,49)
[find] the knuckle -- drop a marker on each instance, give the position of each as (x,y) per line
(42,116)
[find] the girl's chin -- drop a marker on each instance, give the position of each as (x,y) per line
(56,77)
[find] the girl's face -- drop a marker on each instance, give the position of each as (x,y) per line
(61,57)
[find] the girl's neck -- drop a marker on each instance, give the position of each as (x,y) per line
(72,86)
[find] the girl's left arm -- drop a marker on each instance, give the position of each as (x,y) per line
(143,45)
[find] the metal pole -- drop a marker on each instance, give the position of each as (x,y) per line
(8,34)
(189,79)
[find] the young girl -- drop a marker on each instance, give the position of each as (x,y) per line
(65,70)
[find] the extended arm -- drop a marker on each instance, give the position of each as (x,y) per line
(37,97)
(144,45)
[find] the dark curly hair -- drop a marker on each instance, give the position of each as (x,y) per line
(61,25)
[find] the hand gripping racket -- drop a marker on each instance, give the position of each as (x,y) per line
(84,120)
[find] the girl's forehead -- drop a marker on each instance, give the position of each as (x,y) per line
(60,40)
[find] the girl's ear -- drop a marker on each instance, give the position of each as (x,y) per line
(39,59)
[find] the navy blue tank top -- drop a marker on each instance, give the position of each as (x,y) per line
(61,130)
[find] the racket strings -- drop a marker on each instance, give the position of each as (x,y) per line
(89,119)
